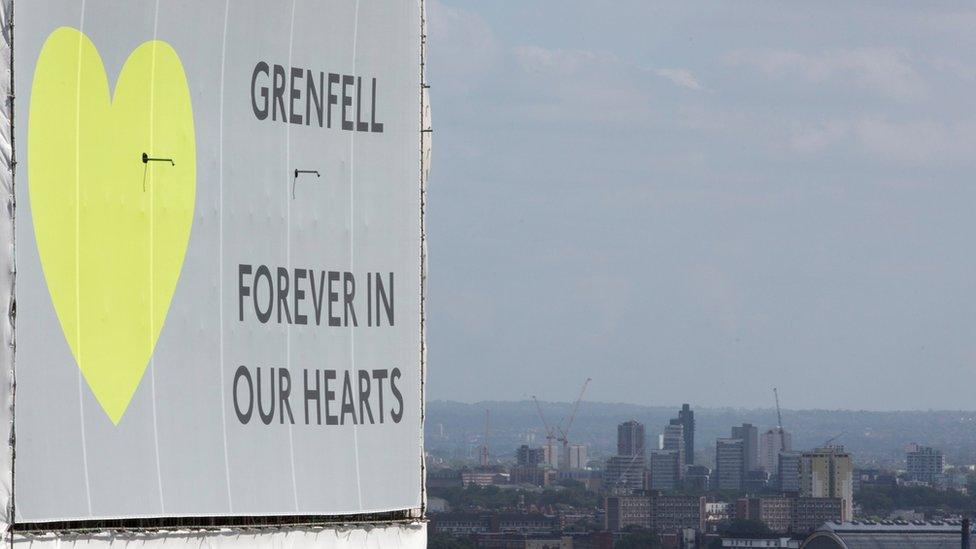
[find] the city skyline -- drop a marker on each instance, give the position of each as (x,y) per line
(715,201)
(646,487)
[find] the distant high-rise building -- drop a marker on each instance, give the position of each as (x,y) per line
(624,474)
(550,455)
(788,472)
(686,418)
(770,445)
(575,456)
(630,439)
(666,467)
(529,457)
(925,464)
(674,440)
(749,435)
(729,464)
(829,473)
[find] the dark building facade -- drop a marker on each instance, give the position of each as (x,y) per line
(530,457)
(686,418)
(630,438)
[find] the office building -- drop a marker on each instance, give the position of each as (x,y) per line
(624,474)
(829,473)
(729,464)
(749,435)
(788,472)
(925,464)
(770,445)
(686,418)
(674,440)
(630,439)
(666,467)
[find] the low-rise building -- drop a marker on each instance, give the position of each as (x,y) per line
(443,478)
(790,514)
(476,477)
(717,513)
(775,512)
(524,523)
(867,477)
(661,512)
(522,541)
(625,511)
(459,524)
(850,535)
(670,512)
(466,524)
(534,475)
(811,513)
(592,480)
(760,542)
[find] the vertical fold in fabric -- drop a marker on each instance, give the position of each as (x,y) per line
(425,147)
(7,266)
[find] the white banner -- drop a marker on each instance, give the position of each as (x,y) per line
(218,258)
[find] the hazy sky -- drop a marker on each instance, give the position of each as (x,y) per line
(696,203)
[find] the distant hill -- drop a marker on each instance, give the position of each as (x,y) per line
(873,437)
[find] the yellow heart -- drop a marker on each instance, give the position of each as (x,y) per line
(111,229)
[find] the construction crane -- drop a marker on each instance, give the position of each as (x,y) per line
(484,447)
(779,422)
(564,433)
(550,433)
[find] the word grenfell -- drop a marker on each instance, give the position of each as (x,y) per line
(294,95)
(329,397)
(302,296)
